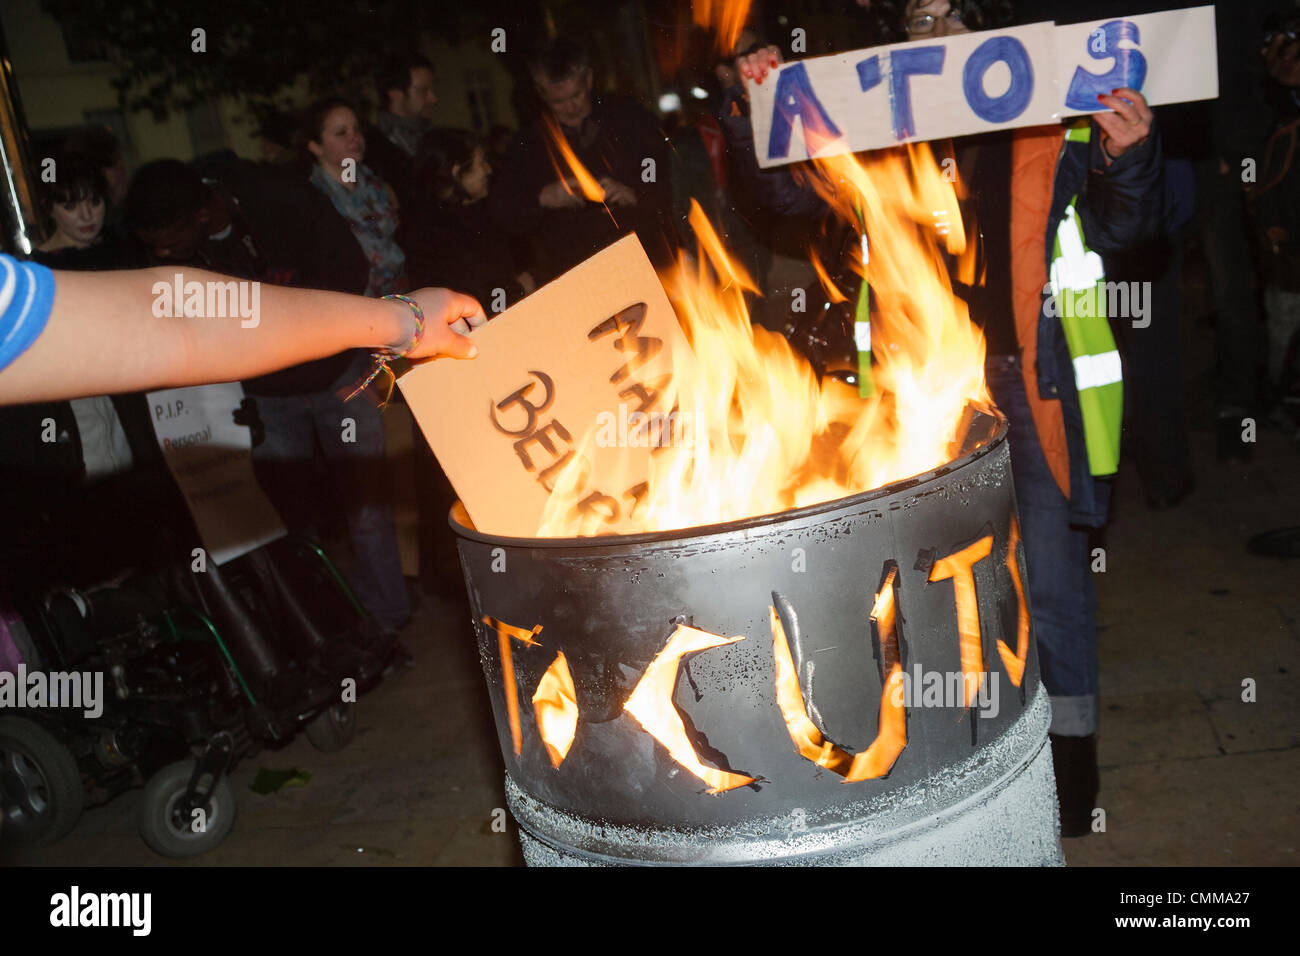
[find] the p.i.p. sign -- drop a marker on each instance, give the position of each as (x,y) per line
(977,82)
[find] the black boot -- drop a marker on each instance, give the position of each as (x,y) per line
(1077,782)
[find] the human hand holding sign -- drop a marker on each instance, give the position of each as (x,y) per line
(755,66)
(1128,126)
(448,318)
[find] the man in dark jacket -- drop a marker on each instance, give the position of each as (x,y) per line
(406,88)
(537,192)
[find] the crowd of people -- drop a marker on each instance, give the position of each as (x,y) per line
(340,204)
(403,204)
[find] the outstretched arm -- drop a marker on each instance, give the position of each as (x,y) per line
(103,334)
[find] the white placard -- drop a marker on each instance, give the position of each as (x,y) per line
(211,459)
(978,82)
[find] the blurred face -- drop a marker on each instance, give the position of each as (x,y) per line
(79,222)
(933,18)
(340,139)
(569,100)
(178,242)
(474,180)
(418,99)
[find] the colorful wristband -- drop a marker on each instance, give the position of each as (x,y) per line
(386,354)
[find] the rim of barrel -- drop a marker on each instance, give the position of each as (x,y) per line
(697,532)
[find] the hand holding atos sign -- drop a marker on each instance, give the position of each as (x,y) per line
(968,83)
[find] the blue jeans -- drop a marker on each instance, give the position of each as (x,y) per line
(1062,599)
(351,437)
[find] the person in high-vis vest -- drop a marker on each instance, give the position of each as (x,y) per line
(1046,203)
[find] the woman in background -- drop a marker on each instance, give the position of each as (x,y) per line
(448,232)
(332,136)
(75,207)
(297,424)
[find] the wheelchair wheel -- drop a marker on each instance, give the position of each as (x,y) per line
(334,728)
(168,830)
(41,793)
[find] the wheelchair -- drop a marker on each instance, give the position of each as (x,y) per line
(202,668)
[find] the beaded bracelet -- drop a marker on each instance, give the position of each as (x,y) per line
(386,355)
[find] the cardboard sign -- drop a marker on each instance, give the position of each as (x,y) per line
(597,342)
(211,459)
(978,82)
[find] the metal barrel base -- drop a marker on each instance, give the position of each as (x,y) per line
(996,808)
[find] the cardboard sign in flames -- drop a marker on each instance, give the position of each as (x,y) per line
(596,343)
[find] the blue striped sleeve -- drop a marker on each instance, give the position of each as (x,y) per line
(26,297)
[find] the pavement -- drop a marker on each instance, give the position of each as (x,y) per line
(1200,706)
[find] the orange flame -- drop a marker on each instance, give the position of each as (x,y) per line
(832,290)
(1015,662)
(765,434)
(556,705)
(651,704)
(726,17)
(958,566)
(586,182)
(891,735)
(504,633)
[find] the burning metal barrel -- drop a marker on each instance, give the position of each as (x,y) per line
(853,682)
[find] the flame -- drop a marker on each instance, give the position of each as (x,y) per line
(891,733)
(556,705)
(504,633)
(807,738)
(725,17)
(651,704)
(1015,662)
(958,566)
(833,292)
(765,434)
(586,182)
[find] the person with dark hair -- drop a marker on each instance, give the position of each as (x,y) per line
(331,134)
(171,210)
(95,476)
(448,231)
(364,204)
(615,140)
(74,207)
(1024,185)
(99,146)
(407,97)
